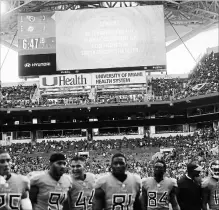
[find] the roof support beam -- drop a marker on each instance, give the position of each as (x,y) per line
(8,45)
(188,36)
(206,11)
(39,6)
(16,8)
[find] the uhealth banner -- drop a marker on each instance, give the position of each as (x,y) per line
(111,78)
(115,78)
(65,80)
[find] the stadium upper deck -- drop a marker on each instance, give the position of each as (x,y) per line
(203,81)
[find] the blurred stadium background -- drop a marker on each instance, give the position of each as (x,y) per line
(95,84)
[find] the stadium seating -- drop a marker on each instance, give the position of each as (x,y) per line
(17,96)
(203,80)
(34,157)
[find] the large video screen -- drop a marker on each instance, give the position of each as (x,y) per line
(92,40)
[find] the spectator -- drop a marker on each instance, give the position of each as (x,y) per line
(189,189)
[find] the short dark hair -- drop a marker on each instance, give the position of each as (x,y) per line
(162,162)
(78,158)
(56,157)
(118,155)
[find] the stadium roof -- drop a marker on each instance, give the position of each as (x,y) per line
(183,19)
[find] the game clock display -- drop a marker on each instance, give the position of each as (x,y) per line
(37,43)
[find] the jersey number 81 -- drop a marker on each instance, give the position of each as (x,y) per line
(121,201)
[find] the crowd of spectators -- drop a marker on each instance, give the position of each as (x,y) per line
(17,96)
(166,88)
(203,80)
(139,152)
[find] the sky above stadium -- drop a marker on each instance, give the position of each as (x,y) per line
(179,60)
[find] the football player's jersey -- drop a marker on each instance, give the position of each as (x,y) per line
(13,191)
(119,195)
(81,193)
(213,186)
(158,193)
(52,193)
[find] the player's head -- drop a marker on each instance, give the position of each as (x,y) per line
(118,164)
(194,170)
(57,164)
(159,168)
(5,163)
(214,169)
(78,167)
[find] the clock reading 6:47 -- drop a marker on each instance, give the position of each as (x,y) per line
(32,43)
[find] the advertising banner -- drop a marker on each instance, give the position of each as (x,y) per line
(67,80)
(115,78)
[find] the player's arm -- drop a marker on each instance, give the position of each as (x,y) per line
(144,199)
(34,190)
(137,202)
(99,199)
(173,200)
(66,204)
(25,200)
(205,198)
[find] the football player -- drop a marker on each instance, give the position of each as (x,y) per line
(13,188)
(118,189)
(158,191)
(49,190)
(210,187)
(82,191)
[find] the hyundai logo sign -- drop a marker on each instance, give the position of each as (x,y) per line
(26,65)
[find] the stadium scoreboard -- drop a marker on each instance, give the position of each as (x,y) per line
(36,32)
(94,40)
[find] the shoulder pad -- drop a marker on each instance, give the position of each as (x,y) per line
(26,182)
(35,179)
(90,175)
(174,182)
(101,182)
(205,182)
(146,180)
(67,176)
